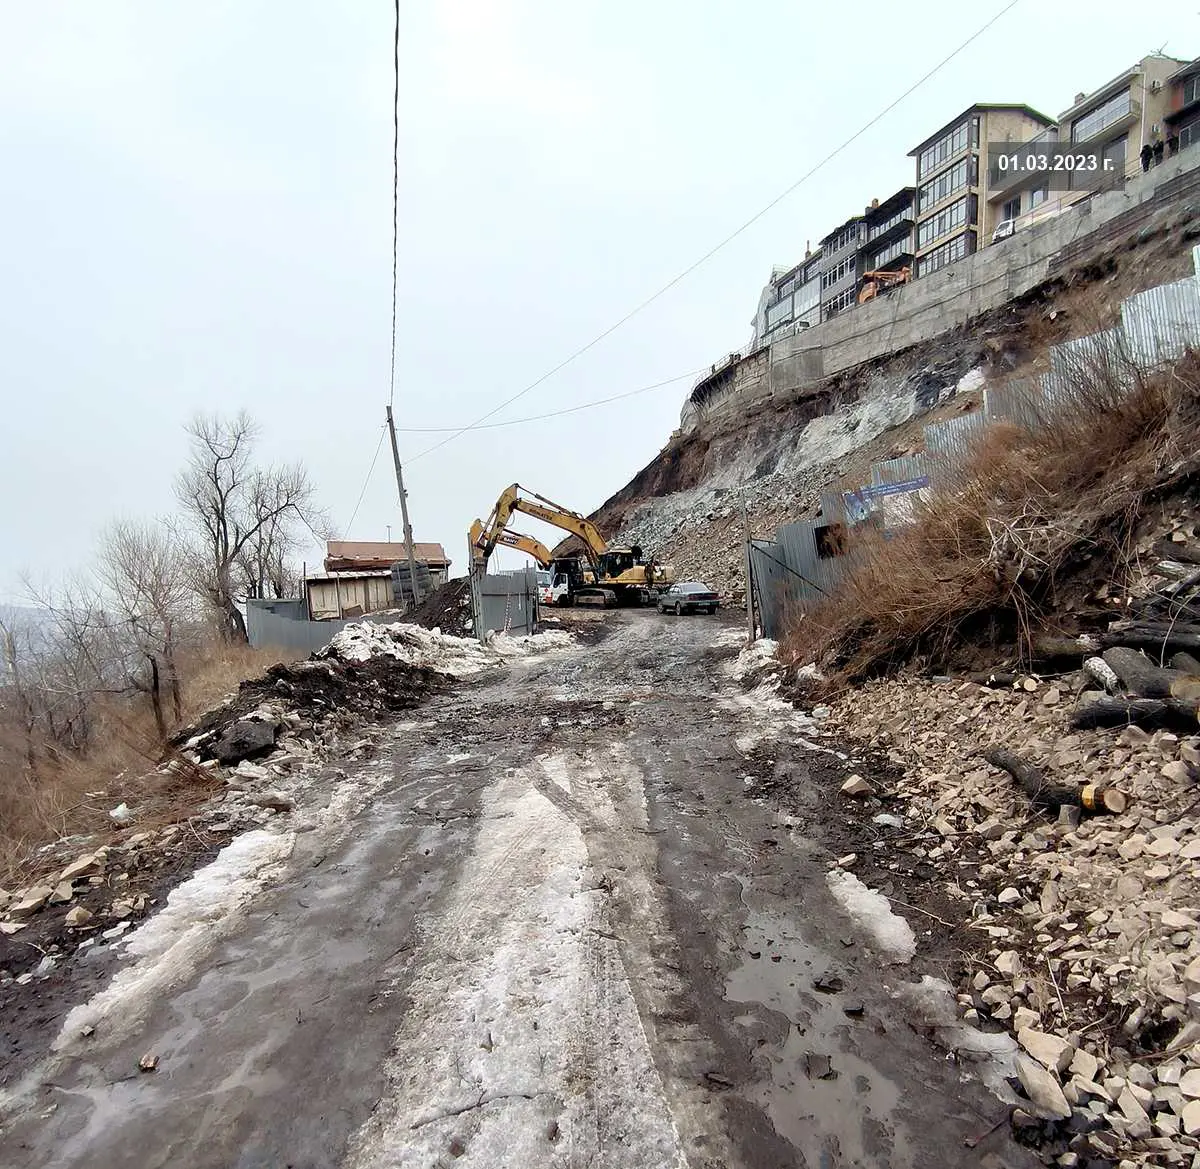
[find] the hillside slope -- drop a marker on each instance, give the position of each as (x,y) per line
(688,506)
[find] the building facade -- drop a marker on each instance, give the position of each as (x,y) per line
(1121,116)
(791,300)
(953,215)
(1182,118)
(840,272)
(888,238)
(1113,122)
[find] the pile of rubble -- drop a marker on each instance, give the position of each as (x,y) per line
(1086,925)
(447,608)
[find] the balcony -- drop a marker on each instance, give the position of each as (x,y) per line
(1104,122)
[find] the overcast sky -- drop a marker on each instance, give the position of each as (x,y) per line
(196,212)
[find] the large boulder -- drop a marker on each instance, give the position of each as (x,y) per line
(245,739)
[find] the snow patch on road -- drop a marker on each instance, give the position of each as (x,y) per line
(523,1044)
(754,659)
(933,1009)
(169,946)
(891,933)
(415,645)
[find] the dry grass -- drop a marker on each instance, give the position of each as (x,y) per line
(66,794)
(989,547)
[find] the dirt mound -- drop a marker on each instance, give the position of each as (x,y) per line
(447,608)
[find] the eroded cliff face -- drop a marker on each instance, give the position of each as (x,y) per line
(772,459)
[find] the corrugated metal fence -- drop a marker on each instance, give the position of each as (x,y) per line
(806,560)
(505,603)
(274,624)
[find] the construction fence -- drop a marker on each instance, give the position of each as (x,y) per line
(505,602)
(285,625)
(803,564)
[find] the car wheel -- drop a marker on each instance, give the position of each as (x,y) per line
(678,609)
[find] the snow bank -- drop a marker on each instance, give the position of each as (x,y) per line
(754,658)
(892,934)
(170,944)
(417,646)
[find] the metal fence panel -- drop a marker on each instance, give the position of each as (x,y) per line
(1020,401)
(268,624)
(505,603)
(1162,323)
(955,435)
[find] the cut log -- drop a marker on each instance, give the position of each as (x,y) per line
(996,679)
(1046,647)
(1138,674)
(1154,636)
(1043,793)
(1100,671)
(1186,664)
(1095,709)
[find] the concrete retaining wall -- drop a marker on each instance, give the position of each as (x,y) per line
(950,298)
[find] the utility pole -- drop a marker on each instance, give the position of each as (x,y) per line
(408,540)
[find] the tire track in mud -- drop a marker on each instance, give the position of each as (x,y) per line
(523,1043)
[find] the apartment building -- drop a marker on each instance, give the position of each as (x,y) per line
(1112,122)
(840,271)
(888,239)
(1182,117)
(791,300)
(953,215)
(1121,116)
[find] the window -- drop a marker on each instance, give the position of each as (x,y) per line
(960,175)
(778,313)
(955,142)
(880,228)
(837,304)
(1011,209)
(845,238)
(1039,195)
(891,252)
(943,223)
(837,273)
(1189,134)
(1191,90)
(946,254)
(1101,117)
(808,296)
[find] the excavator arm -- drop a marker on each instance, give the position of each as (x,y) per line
(522,543)
(517,498)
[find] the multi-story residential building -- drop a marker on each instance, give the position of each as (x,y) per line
(1111,122)
(952,212)
(840,272)
(888,236)
(791,299)
(1182,119)
(1121,116)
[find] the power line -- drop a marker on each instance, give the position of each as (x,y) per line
(558,413)
(367,480)
(729,238)
(395,196)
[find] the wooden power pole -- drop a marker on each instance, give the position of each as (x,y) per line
(408,540)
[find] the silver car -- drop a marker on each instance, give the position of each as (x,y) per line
(689,596)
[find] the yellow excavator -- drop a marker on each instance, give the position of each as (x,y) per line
(609,576)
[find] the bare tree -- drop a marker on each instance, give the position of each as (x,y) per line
(146,572)
(244,515)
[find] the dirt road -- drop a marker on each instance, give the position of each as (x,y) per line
(554,923)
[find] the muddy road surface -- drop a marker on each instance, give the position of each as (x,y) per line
(559,924)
